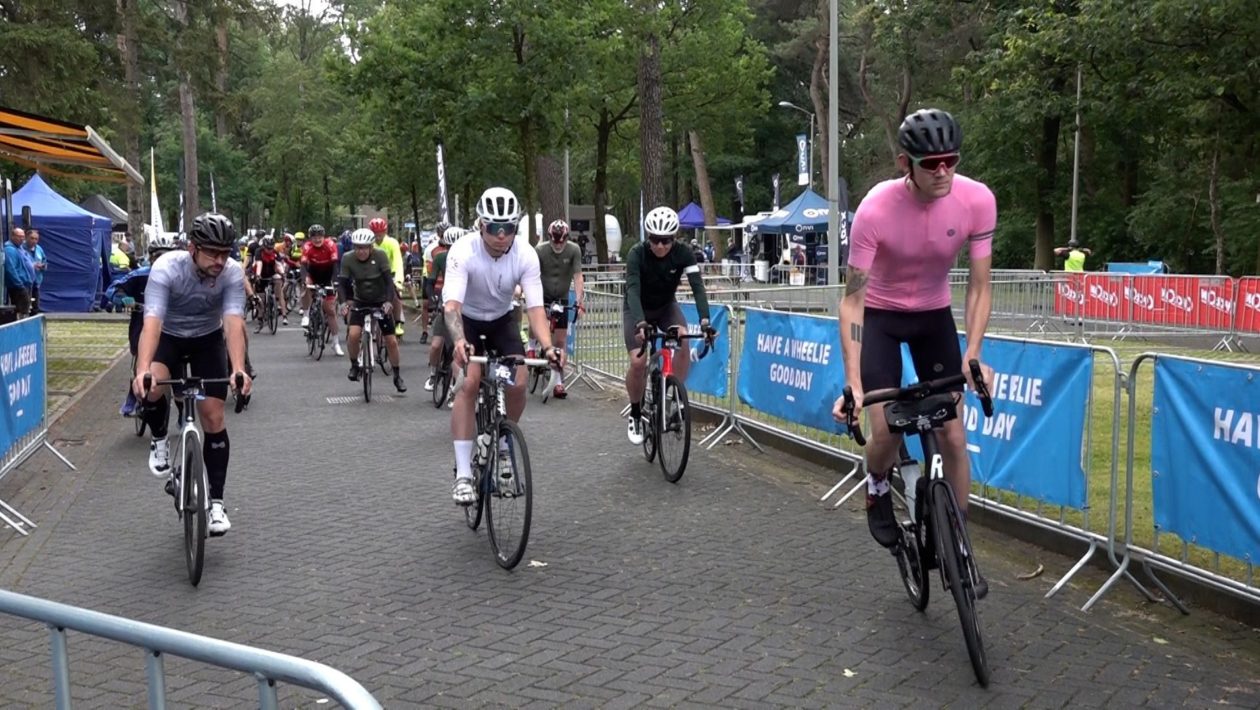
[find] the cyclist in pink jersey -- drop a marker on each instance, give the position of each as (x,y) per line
(907,234)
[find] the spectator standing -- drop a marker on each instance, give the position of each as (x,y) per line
(39,263)
(19,273)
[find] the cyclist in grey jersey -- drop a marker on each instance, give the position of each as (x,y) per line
(194,312)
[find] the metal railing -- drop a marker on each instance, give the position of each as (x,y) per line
(267,667)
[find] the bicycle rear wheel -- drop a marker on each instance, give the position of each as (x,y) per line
(673,429)
(509,504)
(946,523)
(472,513)
(382,352)
(273,313)
(910,555)
(195,504)
(650,439)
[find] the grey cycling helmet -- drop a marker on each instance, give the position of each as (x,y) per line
(929,131)
(213,230)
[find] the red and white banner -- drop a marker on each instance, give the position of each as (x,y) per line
(1248,305)
(1194,302)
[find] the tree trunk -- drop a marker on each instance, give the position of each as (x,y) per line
(415,207)
(129,49)
(818,97)
(1214,205)
(327,202)
(651,124)
(221,71)
(706,194)
(1047,179)
(188,119)
(550,188)
(599,231)
(674,195)
(526,128)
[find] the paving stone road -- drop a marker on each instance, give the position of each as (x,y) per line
(733,588)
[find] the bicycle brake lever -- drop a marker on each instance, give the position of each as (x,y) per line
(982,388)
(855,429)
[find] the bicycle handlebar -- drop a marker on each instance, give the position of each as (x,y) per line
(511,360)
(198,382)
(918,390)
(662,335)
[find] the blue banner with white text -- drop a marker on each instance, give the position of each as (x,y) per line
(22,370)
(791,367)
(1033,442)
(1205,455)
(709,375)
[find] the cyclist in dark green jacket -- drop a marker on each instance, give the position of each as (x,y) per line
(653,271)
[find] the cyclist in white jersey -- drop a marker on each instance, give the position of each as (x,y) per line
(194,312)
(477,300)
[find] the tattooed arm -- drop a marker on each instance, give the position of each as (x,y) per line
(852,306)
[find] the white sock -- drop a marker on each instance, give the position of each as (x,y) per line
(876,487)
(463,459)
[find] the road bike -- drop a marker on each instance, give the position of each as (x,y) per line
(317,333)
(935,536)
(268,311)
(371,346)
(187,482)
(665,408)
(550,375)
(501,471)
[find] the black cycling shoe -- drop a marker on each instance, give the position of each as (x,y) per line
(424,338)
(354,372)
(398,383)
(881,519)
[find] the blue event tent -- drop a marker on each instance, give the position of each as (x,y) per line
(77,243)
(691,216)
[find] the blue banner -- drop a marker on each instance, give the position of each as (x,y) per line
(792,367)
(22,369)
(1205,455)
(1032,444)
(710,375)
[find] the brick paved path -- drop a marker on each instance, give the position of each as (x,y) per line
(734,588)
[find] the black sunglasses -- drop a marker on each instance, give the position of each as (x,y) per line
(932,163)
(660,240)
(503,228)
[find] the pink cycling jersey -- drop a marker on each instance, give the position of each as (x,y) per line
(908,246)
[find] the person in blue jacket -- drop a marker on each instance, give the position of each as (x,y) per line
(19,273)
(127,291)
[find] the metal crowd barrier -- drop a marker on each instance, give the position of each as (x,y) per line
(1243,584)
(267,667)
(1024,305)
(36,439)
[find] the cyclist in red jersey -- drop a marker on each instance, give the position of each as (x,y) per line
(269,266)
(320,258)
(907,234)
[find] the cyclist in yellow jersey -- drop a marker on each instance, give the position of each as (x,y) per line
(390,246)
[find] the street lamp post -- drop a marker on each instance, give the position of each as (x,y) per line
(789,104)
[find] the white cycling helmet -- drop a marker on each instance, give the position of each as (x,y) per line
(451,235)
(363,237)
(498,204)
(162,241)
(662,222)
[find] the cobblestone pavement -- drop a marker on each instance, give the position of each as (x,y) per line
(733,588)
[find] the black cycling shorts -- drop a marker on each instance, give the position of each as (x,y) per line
(663,318)
(503,335)
(320,275)
(357,317)
(207,354)
(931,335)
(562,319)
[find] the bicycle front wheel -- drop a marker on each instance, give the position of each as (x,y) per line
(650,439)
(441,385)
(273,314)
(673,427)
(366,358)
(195,504)
(509,503)
(946,524)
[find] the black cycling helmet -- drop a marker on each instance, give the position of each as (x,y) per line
(315,229)
(213,230)
(930,131)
